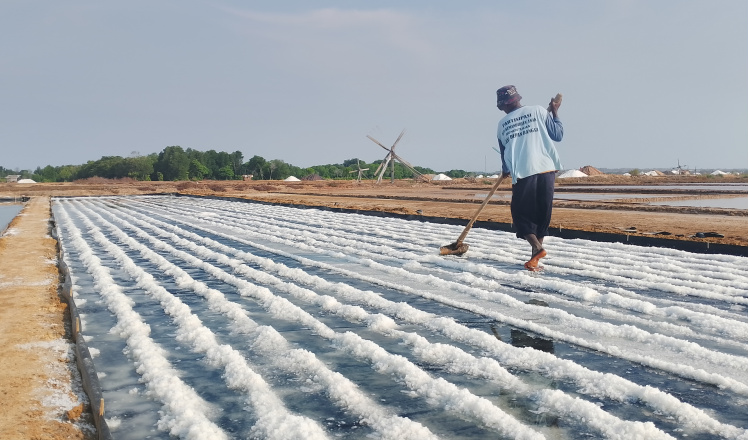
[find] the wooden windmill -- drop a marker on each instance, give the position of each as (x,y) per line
(359,171)
(682,169)
(391,159)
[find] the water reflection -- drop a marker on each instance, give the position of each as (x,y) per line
(519,338)
(533,413)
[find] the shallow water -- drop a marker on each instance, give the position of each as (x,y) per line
(218,317)
(733,203)
(7,213)
(684,186)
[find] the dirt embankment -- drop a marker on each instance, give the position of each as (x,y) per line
(460,198)
(36,368)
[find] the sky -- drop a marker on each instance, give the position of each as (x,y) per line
(645,83)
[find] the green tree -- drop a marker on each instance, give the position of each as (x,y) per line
(225,173)
(140,167)
(215,161)
(173,163)
(223,160)
(236,159)
(278,169)
(46,174)
(67,173)
(351,162)
(307,172)
(456,174)
(197,170)
(108,167)
(255,166)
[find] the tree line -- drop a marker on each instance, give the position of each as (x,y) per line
(175,164)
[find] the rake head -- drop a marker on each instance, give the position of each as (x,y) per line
(454,249)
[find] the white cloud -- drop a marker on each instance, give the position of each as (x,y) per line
(336,29)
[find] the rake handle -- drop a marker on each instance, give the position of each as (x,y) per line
(476,215)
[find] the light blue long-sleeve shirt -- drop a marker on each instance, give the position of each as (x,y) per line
(526,137)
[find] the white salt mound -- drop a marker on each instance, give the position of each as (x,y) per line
(572,173)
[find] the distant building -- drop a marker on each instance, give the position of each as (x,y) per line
(13,178)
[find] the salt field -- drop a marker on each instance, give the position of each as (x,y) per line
(214,319)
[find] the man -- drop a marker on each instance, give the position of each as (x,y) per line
(526,136)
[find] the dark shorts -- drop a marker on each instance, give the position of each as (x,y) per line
(531,205)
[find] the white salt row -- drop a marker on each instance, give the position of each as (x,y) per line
(649,256)
(669,353)
(274,420)
(437,392)
(585,293)
(333,230)
(685,323)
(660,400)
(462,362)
(590,294)
(184,413)
(268,340)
